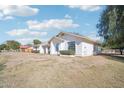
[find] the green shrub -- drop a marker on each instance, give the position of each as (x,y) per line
(67,52)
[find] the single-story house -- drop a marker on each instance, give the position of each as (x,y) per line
(44,48)
(64,41)
(25,48)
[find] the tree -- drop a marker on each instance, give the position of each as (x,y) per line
(2,46)
(111,27)
(12,44)
(29,45)
(36,43)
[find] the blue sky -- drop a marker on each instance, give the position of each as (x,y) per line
(25,23)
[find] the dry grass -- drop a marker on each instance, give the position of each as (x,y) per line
(35,70)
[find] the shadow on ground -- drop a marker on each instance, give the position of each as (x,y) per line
(115,58)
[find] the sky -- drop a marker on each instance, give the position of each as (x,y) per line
(26,23)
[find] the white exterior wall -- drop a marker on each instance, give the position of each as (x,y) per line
(81,48)
(78,49)
(53,48)
(41,49)
(78,44)
(45,50)
(63,45)
(87,49)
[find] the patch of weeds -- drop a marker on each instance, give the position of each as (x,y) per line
(93,67)
(3,60)
(2,66)
(13,75)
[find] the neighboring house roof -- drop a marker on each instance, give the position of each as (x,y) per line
(84,38)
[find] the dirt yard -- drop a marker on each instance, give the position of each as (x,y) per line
(36,70)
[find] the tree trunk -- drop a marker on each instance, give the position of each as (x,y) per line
(121,52)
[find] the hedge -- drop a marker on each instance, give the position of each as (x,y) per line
(67,52)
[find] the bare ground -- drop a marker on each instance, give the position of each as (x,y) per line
(36,70)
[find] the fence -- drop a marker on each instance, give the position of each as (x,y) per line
(111,51)
(10,50)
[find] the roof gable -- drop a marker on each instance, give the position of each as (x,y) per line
(81,37)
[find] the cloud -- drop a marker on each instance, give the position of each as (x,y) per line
(2,17)
(96,38)
(22,32)
(27,40)
(8,12)
(25,36)
(93,35)
(86,7)
(67,16)
(8,18)
(52,23)
(18,10)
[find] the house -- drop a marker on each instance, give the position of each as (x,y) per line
(44,48)
(64,41)
(25,48)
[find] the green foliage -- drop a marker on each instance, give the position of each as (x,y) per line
(2,66)
(36,42)
(2,46)
(29,45)
(10,44)
(111,27)
(67,52)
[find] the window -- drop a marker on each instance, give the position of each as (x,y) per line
(57,47)
(71,46)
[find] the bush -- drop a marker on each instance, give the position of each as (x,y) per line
(67,52)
